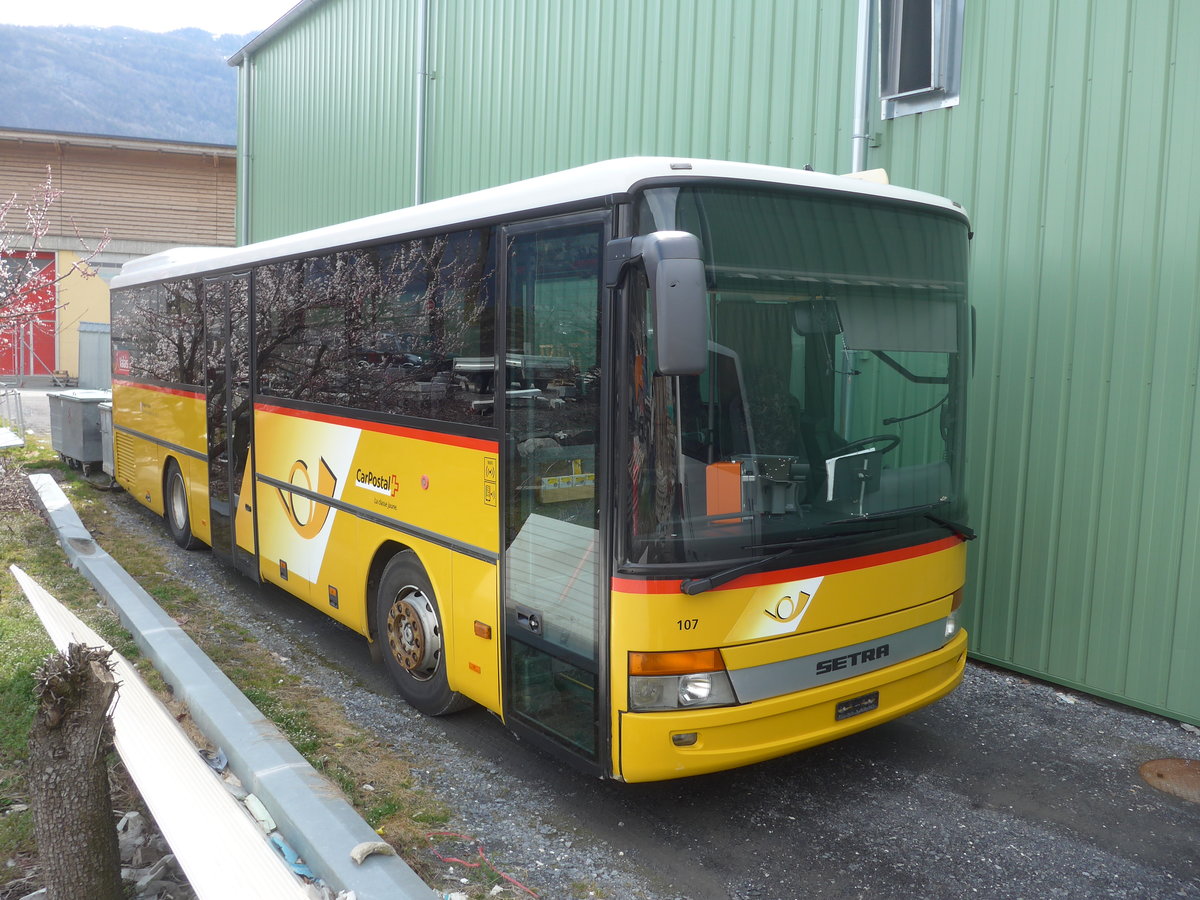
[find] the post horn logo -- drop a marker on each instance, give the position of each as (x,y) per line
(308,523)
(789,609)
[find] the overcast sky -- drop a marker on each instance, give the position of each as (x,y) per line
(216,16)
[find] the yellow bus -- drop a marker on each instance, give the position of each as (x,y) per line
(659,460)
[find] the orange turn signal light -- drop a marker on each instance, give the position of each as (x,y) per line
(676,662)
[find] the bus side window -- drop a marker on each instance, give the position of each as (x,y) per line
(429,339)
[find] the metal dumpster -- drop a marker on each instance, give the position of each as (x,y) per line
(75,425)
(106,438)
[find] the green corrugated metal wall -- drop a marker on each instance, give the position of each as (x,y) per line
(1073,147)
(530,86)
(523,87)
(331,111)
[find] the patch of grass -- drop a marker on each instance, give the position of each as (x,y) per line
(16,708)
(587,890)
(378,813)
(438,819)
(17,839)
(296,724)
(36,454)
(27,541)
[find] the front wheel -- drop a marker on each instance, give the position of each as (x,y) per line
(175,509)
(409,628)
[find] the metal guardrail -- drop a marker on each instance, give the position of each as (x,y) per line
(12,418)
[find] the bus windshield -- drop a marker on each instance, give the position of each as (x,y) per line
(834,381)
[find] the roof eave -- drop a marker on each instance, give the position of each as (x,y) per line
(272,31)
(115,142)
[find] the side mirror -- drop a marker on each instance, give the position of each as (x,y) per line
(675,269)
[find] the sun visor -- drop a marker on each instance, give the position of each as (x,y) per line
(899,323)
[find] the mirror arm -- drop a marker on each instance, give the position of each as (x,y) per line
(619,253)
(649,249)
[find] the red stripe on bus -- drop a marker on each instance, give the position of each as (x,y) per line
(176,392)
(437,437)
(628,585)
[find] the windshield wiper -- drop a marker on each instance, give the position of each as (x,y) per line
(963,531)
(693,586)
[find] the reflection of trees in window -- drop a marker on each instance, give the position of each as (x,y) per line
(285,370)
(302,320)
(185,335)
(159,327)
(404,328)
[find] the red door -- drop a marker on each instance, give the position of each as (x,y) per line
(27,342)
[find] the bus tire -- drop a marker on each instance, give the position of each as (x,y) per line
(409,630)
(175,508)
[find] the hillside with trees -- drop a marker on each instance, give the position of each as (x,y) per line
(120,81)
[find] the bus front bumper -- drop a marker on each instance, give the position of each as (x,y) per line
(729,737)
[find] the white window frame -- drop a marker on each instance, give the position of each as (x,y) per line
(945,64)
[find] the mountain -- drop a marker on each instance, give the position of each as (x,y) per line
(120,81)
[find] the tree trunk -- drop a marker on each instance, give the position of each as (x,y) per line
(72,806)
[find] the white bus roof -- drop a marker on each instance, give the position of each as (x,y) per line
(566,188)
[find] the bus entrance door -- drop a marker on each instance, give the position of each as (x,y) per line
(229,420)
(553,553)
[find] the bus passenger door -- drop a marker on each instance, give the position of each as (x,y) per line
(553,569)
(230,420)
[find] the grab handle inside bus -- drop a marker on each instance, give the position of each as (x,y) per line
(675,269)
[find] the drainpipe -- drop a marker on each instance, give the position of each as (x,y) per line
(422,78)
(243,173)
(859,138)
(862,87)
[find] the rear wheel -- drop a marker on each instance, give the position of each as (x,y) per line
(409,629)
(175,509)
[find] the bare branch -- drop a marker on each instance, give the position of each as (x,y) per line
(25,278)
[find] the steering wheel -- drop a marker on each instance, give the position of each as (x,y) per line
(893,441)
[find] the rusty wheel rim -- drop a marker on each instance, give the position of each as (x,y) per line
(414,638)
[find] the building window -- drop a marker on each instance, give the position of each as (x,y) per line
(920,55)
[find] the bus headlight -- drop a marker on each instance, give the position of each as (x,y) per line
(678,680)
(952,625)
